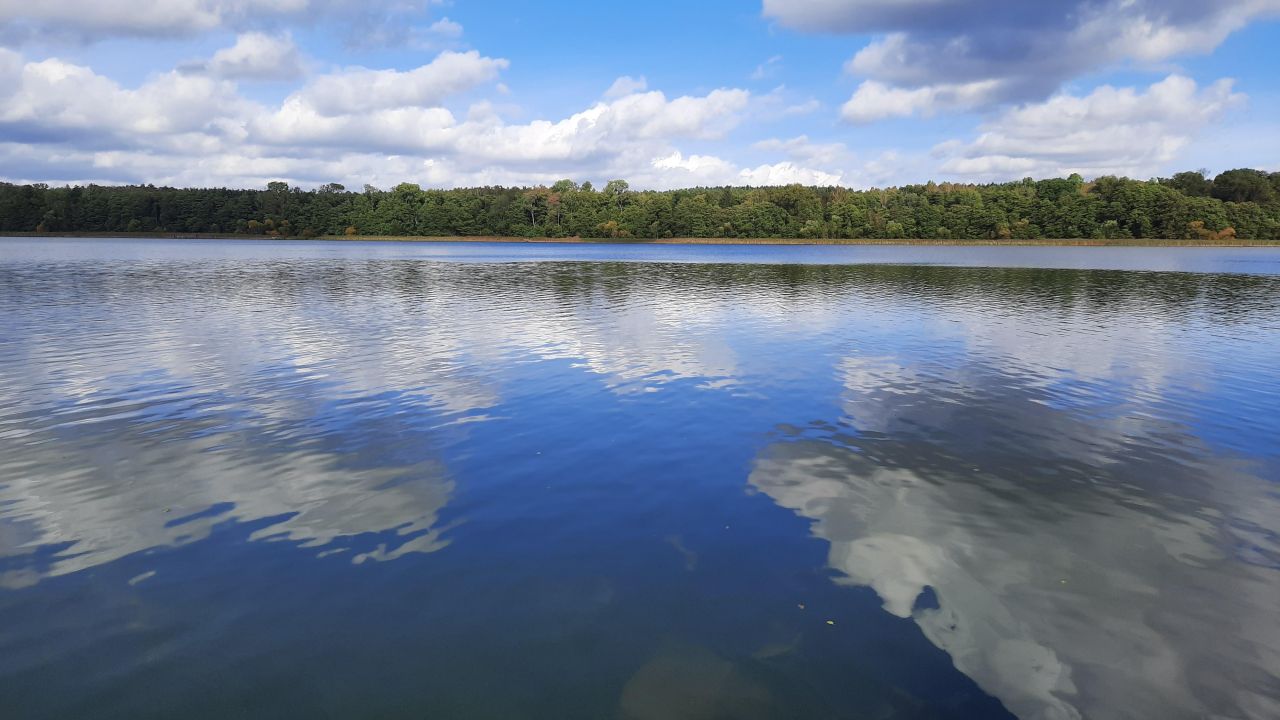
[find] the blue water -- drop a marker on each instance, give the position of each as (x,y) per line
(385,480)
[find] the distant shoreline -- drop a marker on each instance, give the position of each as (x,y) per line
(1066,242)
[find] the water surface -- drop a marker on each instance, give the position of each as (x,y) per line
(277,480)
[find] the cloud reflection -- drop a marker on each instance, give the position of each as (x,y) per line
(145,402)
(1084,564)
(127,486)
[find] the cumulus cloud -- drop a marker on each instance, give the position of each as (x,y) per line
(64,122)
(875,100)
(605,130)
(56,101)
(617,137)
(852,170)
(298,127)
(147,17)
(677,170)
(360,89)
(96,19)
(933,55)
(1126,131)
(787,173)
(255,56)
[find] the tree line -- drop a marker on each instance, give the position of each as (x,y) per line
(1241,203)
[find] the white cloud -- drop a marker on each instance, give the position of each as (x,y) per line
(443,34)
(782,103)
(11,64)
(836,159)
(942,55)
(54,100)
(96,19)
(146,17)
(445,28)
(636,125)
(63,122)
(608,127)
(876,101)
(1111,130)
(652,115)
(255,56)
(677,170)
(360,90)
(298,125)
(787,173)
(626,85)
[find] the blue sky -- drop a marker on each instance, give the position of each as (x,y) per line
(664,94)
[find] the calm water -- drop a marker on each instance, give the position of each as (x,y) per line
(305,480)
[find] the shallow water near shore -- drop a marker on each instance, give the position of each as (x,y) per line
(380,480)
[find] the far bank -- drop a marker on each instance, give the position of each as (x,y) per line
(1054,242)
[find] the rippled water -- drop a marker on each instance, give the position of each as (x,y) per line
(398,481)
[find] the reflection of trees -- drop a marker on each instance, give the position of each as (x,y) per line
(298,282)
(1222,295)
(1080,566)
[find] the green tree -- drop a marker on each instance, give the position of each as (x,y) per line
(1191,183)
(1243,185)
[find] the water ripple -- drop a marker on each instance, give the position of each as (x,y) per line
(577,489)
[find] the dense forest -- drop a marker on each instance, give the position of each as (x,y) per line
(1240,203)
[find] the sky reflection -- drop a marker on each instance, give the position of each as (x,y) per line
(1075,564)
(1048,489)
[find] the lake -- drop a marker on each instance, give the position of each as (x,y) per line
(388,480)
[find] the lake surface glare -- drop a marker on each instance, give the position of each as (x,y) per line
(381,480)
